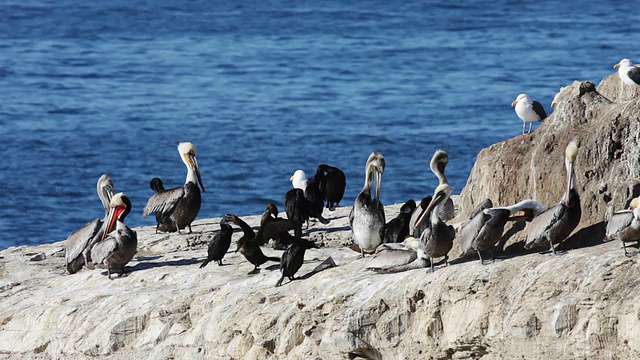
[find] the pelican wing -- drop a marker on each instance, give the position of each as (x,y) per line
(471,231)
(392,255)
(418,263)
(541,224)
(76,243)
(486,204)
(484,230)
(618,222)
(351,216)
(163,202)
(103,249)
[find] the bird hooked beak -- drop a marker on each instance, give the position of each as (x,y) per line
(616,66)
(514,102)
(114,214)
(193,162)
(188,155)
(440,195)
(571,152)
(526,215)
(378,178)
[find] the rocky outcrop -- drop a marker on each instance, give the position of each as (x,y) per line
(526,305)
(579,305)
(607,129)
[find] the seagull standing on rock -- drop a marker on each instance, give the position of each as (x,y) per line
(629,74)
(528,110)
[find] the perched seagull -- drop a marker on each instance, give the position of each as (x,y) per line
(629,73)
(528,110)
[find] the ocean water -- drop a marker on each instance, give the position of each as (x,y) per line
(265,88)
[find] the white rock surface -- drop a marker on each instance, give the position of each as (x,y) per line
(535,306)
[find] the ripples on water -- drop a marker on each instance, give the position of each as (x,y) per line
(264,89)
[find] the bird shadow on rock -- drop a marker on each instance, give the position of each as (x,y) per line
(590,236)
(516,228)
(335,217)
(150,265)
(329,230)
(148,258)
(273,267)
(462,259)
(328,263)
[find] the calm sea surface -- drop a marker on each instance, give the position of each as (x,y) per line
(265,88)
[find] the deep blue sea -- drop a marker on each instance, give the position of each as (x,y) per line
(264,88)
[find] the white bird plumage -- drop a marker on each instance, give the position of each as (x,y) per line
(528,110)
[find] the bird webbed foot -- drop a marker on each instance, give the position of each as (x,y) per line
(630,254)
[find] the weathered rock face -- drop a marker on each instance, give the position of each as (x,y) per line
(607,168)
(580,305)
(583,304)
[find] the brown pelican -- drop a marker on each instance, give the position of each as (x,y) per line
(114,252)
(625,225)
(332,183)
(417,212)
(78,245)
(219,244)
(397,229)
(438,165)
(528,111)
(367,215)
(629,73)
(556,223)
(437,238)
(398,257)
(178,207)
(484,230)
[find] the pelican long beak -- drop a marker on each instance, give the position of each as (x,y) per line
(570,177)
(526,215)
(114,214)
(435,201)
(616,66)
(194,163)
(378,176)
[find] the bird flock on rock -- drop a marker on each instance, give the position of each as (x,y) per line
(414,239)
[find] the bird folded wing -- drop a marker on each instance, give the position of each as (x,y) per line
(163,202)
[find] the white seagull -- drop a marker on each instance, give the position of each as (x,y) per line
(528,110)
